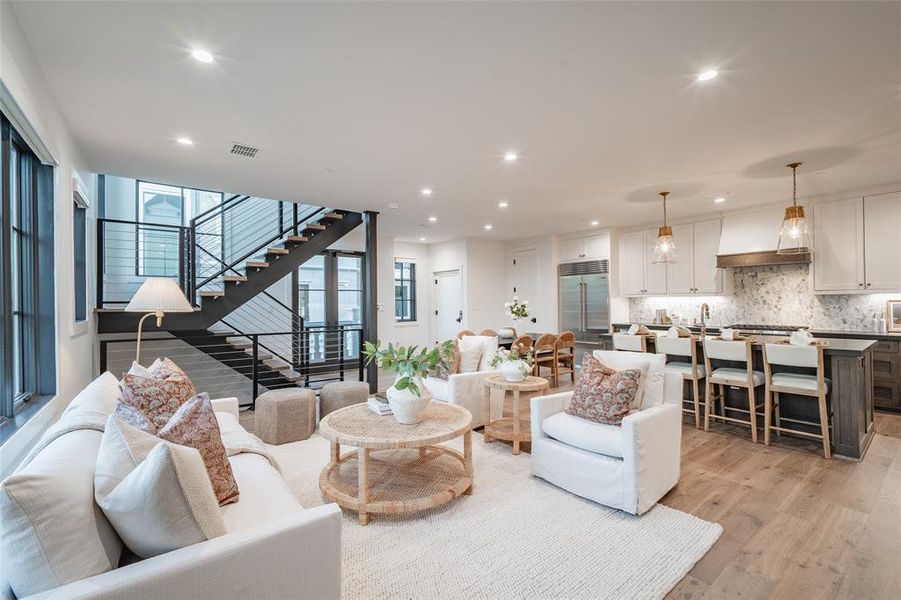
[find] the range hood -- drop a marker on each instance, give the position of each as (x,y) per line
(750,239)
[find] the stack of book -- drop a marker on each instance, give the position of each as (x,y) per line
(379,405)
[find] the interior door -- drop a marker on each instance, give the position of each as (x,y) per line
(654,274)
(680,275)
(448,297)
(882,239)
(525,284)
(708,279)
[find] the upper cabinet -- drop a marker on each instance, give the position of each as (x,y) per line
(857,245)
(694,273)
(592,247)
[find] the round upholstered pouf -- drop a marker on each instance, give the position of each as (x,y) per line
(337,395)
(286,415)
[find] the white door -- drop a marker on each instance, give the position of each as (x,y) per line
(448,305)
(838,259)
(680,275)
(571,250)
(882,242)
(654,274)
(631,263)
(596,247)
(708,279)
(525,286)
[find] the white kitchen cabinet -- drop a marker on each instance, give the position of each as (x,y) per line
(654,274)
(706,244)
(838,255)
(680,278)
(592,247)
(631,263)
(882,242)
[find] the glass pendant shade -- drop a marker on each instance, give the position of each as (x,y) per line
(794,237)
(665,248)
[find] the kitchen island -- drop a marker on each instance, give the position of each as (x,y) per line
(849,366)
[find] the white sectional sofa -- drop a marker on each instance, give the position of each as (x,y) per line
(275,548)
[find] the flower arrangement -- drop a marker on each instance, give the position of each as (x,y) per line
(516,309)
(513,365)
(411,363)
(502,356)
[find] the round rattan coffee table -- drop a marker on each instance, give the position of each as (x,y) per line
(397,469)
(511,429)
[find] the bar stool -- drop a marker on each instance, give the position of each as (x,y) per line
(816,386)
(748,378)
(691,370)
(629,342)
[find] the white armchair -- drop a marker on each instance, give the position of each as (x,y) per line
(468,389)
(628,467)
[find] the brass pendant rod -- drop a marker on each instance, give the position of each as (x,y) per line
(794,168)
(664,194)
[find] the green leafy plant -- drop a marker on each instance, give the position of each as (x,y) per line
(502,356)
(409,362)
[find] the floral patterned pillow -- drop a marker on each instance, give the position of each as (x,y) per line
(602,394)
(193,424)
(158,398)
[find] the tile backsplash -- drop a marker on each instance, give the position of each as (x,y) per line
(774,295)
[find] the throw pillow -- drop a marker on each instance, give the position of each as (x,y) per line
(157,495)
(157,398)
(602,394)
(453,366)
(652,367)
(470,353)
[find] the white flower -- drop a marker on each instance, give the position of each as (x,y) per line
(514,298)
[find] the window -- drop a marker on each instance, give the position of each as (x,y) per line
(27,336)
(79,251)
(404,290)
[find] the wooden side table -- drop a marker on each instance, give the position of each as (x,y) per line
(511,429)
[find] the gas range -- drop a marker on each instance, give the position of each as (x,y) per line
(766,329)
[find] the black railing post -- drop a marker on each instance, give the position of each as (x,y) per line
(295,224)
(182,260)
(255,371)
(192,266)
(341,352)
(104,348)
(360,353)
(370,291)
(101,224)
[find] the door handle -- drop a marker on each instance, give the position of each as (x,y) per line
(459,318)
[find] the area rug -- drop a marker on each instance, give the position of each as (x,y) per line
(516,537)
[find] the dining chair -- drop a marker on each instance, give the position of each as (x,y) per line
(544,355)
(566,355)
(465,332)
(522,344)
(488,332)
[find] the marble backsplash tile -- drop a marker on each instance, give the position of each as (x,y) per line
(774,295)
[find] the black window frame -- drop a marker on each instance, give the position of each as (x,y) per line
(33,352)
(80,260)
(407,267)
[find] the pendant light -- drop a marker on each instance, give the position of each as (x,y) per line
(665,248)
(793,237)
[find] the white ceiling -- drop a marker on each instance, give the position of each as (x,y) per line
(360,105)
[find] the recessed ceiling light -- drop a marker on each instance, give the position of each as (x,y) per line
(202,55)
(708,75)
(433,219)
(422,239)
(393,205)
(489,227)
(184,141)
(426,191)
(503,204)
(595,223)
(510,156)
(719,200)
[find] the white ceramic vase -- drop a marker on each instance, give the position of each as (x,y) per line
(514,370)
(406,407)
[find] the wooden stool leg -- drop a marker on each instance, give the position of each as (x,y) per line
(776,415)
(752,401)
(363,483)
(708,393)
(722,401)
(767,415)
(515,421)
(694,390)
(336,452)
(467,459)
(824,426)
(485,437)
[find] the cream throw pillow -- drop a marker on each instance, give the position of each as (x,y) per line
(470,353)
(157,495)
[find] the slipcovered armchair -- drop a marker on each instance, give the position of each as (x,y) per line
(468,389)
(628,467)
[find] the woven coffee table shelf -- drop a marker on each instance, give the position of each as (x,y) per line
(397,469)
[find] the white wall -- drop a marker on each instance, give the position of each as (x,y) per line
(486,289)
(75,350)
(544,304)
(417,332)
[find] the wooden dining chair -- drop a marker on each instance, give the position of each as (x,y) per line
(566,355)
(544,354)
(522,344)
(488,332)
(465,332)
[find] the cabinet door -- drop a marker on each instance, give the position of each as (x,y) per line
(596,247)
(680,275)
(654,274)
(631,263)
(708,279)
(571,250)
(882,242)
(838,258)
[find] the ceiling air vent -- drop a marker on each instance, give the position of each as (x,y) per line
(244,150)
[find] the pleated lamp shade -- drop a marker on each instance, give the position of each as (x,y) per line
(159,293)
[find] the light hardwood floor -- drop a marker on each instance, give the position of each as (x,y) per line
(795,525)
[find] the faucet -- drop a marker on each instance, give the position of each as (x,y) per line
(705,314)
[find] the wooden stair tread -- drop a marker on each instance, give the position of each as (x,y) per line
(239,343)
(314,227)
(255,264)
(211,294)
(234,278)
(278,366)
(261,356)
(333,215)
(297,239)
(277,251)
(291,376)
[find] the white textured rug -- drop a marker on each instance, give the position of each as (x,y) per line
(516,537)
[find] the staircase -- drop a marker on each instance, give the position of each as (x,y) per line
(228,258)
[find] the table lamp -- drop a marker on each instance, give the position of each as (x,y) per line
(156,297)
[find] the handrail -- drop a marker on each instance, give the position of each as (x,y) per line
(218,207)
(140,223)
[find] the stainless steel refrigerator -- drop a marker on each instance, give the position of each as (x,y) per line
(584,303)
